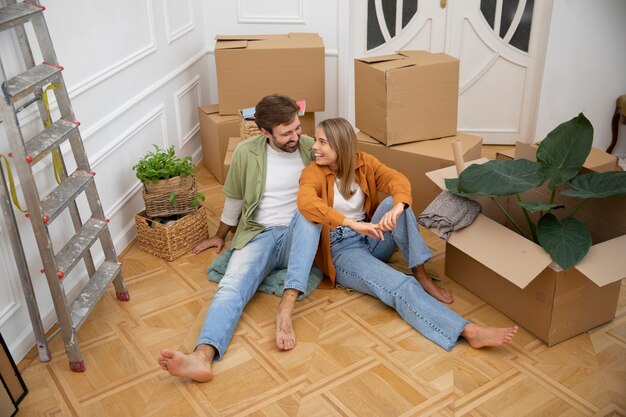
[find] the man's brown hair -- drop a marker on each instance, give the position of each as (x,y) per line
(275,110)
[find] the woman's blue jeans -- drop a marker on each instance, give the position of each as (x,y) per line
(361,265)
(291,247)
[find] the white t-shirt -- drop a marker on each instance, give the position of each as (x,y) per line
(279,201)
(353,208)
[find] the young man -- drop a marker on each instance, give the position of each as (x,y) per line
(261,191)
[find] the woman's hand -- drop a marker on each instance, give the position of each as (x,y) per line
(367,229)
(389,219)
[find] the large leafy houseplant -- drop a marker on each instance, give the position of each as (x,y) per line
(560,156)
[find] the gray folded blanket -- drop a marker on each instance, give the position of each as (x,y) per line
(274,283)
(449,212)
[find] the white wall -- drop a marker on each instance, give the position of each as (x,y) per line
(136,73)
(585,68)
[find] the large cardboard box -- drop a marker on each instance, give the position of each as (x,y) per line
(517,277)
(215,131)
(249,67)
(416,159)
(407,97)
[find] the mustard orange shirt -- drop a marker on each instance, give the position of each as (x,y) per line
(316,197)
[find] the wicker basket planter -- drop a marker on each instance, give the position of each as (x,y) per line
(171,241)
(156,196)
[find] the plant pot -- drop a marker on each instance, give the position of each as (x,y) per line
(171,241)
(157,196)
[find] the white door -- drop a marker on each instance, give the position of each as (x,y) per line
(500,43)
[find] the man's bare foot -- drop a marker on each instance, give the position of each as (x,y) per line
(478,336)
(437,292)
(285,335)
(195,365)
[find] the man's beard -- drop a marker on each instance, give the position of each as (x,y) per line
(287,147)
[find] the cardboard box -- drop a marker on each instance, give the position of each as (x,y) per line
(232,145)
(215,131)
(415,159)
(407,97)
(518,278)
(249,67)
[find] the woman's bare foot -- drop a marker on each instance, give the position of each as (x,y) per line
(435,291)
(196,365)
(285,335)
(419,272)
(478,336)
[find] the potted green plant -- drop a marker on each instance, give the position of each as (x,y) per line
(560,157)
(169,183)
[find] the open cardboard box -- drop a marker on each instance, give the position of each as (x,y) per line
(518,278)
(415,159)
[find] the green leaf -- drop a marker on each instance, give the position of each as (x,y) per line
(598,185)
(452,185)
(500,178)
(535,206)
(199,197)
(172,198)
(562,153)
(567,241)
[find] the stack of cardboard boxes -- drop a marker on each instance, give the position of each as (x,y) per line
(250,67)
(406,110)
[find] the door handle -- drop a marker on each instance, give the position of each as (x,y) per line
(443,3)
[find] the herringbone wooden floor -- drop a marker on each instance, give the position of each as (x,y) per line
(355,356)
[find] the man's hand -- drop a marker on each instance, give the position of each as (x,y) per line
(389,219)
(214,241)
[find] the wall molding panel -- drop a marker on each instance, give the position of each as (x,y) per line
(10,300)
(171,32)
(123,63)
(87,134)
(157,113)
(186,102)
(252,11)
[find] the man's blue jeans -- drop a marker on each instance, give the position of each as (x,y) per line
(291,247)
(361,265)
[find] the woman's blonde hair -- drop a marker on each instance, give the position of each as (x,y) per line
(342,140)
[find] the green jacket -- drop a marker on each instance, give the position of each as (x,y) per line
(246,181)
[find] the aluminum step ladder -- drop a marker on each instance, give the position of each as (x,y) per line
(18,93)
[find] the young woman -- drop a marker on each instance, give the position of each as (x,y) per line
(340,192)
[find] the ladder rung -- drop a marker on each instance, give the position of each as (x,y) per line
(92,292)
(39,75)
(17,14)
(65,193)
(48,138)
(76,247)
